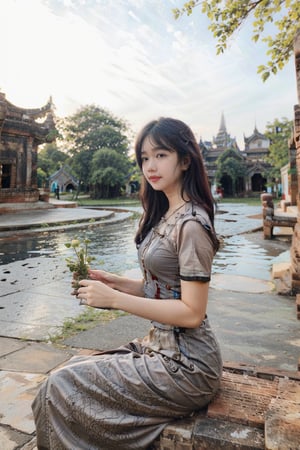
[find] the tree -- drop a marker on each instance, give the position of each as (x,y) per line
(232,164)
(50,159)
(88,131)
(109,173)
(278,132)
(228,16)
(41,177)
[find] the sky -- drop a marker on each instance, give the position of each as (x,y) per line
(134,59)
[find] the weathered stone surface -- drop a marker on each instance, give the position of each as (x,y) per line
(213,434)
(177,436)
(275,219)
(30,445)
(35,357)
(243,399)
(279,269)
(262,372)
(10,345)
(20,389)
(11,439)
(282,425)
(298,306)
(281,274)
(249,413)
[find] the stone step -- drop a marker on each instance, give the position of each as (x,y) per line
(248,413)
(11,208)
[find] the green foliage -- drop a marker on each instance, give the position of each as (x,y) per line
(228,16)
(89,318)
(91,130)
(232,164)
(278,132)
(41,177)
(79,263)
(50,159)
(109,173)
(81,164)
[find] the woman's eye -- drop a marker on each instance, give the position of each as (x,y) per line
(161,155)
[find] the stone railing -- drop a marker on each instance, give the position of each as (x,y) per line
(271,219)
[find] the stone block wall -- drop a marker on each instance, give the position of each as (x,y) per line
(295,248)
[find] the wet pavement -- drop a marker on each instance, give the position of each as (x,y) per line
(254,325)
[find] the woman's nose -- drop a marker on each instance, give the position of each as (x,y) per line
(151,164)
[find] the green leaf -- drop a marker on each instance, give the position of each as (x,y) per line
(226,18)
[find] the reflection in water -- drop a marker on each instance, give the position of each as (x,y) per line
(112,246)
(240,256)
(114,249)
(23,247)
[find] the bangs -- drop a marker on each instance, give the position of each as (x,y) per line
(160,142)
(156,140)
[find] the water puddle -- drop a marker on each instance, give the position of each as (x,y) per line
(113,246)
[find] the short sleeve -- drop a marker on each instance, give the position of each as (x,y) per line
(195,252)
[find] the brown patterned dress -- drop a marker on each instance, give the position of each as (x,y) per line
(122,399)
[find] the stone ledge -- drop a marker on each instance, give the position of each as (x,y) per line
(245,415)
(282,424)
(9,208)
(279,269)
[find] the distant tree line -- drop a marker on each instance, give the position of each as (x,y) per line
(96,146)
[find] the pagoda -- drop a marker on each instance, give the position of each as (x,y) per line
(212,150)
(22,130)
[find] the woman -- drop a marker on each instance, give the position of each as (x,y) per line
(123,399)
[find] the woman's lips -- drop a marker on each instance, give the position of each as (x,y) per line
(154,179)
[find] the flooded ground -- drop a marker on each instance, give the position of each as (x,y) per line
(243,252)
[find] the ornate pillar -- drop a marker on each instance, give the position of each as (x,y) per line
(293,179)
(295,249)
(28,183)
(34,158)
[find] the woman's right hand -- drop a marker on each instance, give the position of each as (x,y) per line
(118,282)
(105,277)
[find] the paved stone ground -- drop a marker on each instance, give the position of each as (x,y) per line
(252,323)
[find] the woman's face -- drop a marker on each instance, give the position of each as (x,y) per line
(162,168)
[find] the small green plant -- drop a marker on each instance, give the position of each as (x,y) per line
(84,321)
(80,262)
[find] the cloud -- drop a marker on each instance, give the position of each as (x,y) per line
(134,59)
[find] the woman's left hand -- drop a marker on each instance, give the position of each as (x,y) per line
(95,293)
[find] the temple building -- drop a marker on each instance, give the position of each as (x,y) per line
(63,180)
(21,132)
(256,150)
(251,160)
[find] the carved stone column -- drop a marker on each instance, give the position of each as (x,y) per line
(293,179)
(28,163)
(295,249)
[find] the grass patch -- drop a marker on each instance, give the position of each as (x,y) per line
(251,201)
(88,319)
(121,201)
(84,200)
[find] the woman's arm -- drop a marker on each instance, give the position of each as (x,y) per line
(123,284)
(188,312)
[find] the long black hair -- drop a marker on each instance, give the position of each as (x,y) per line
(175,136)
